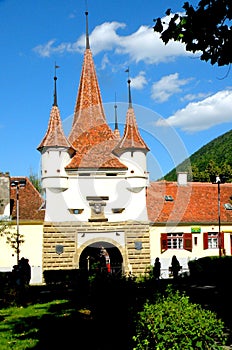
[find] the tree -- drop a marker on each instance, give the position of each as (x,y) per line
(14,240)
(12,237)
(4,226)
(36,181)
(206,29)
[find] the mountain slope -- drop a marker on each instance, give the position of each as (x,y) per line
(213,158)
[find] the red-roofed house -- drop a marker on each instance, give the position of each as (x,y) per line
(185,219)
(24,208)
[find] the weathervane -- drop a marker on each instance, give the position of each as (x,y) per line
(129,90)
(128,71)
(55,92)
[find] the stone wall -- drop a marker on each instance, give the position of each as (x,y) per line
(63,243)
(4,194)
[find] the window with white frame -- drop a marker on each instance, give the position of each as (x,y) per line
(175,240)
(212,240)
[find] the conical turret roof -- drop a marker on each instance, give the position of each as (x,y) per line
(88,112)
(55,136)
(90,135)
(131,138)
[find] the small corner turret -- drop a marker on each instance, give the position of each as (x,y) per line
(55,149)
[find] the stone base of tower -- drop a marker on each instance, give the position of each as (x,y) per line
(64,242)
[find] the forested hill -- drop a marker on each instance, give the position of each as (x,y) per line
(213,158)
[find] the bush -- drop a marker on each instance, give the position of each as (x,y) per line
(176,324)
(62,277)
(211,269)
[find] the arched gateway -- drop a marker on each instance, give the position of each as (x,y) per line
(101,255)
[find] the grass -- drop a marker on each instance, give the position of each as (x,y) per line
(20,327)
(54,317)
(62,323)
(47,318)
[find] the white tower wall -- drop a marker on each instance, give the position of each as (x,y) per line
(53,172)
(121,198)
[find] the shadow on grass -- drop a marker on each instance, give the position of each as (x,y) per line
(100,318)
(64,319)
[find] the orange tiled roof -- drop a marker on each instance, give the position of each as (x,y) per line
(94,150)
(91,137)
(88,112)
(195,203)
(55,135)
(30,202)
(131,137)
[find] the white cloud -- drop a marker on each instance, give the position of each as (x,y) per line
(49,49)
(191,97)
(202,115)
(46,49)
(143,45)
(139,82)
(104,37)
(104,62)
(167,86)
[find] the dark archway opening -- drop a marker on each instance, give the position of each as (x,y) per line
(92,258)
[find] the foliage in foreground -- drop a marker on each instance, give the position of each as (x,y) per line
(205,29)
(174,323)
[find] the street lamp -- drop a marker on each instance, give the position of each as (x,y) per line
(216,179)
(17,184)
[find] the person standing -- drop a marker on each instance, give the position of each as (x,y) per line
(175,267)
(156,269)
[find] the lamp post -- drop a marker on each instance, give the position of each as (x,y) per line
(218,180)
(17,184)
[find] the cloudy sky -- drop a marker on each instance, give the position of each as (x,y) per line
(181,103)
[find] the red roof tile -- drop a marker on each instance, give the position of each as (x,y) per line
(30,202)
(90,135)
(194,203)
(94,150)
(55,135)
(131,138)
(88,112)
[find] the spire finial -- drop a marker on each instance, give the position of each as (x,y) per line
(55,92)
(129,89)
(87,31)
(115,114)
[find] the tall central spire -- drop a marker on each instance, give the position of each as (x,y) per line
(88,112)
(91,136)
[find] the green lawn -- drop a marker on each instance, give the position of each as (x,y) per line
(40,326)
(56,317)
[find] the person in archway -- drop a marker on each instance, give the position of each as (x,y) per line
(156,269)
(175,267)
(105,259)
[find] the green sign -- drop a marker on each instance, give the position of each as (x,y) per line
(195,230)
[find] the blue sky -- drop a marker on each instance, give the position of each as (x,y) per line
(181,103)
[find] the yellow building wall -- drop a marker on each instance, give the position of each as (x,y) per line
(184,255)
(30,249)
